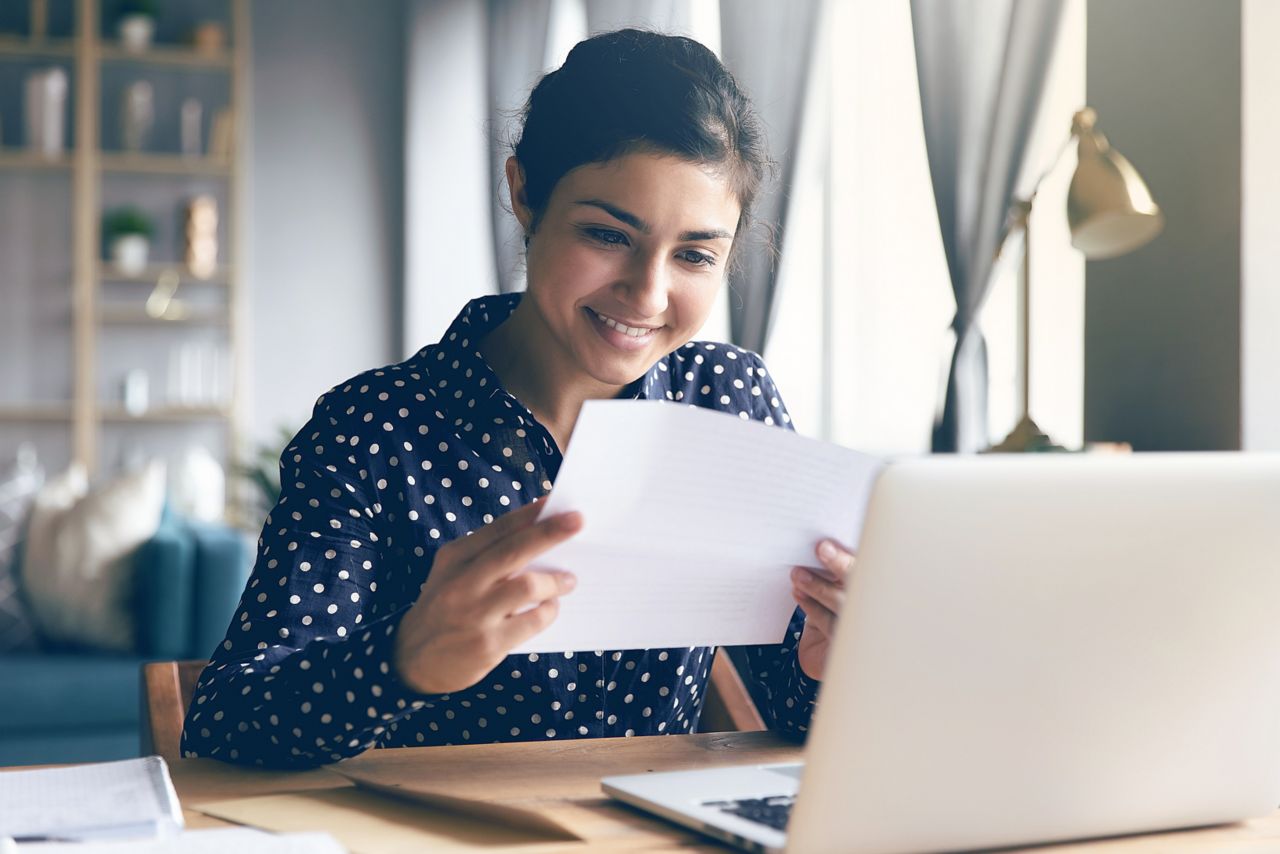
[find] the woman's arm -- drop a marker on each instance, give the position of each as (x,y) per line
(783,693)
(304,675)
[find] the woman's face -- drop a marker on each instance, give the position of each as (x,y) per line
(626,260)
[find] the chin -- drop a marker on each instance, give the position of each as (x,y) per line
(619,374)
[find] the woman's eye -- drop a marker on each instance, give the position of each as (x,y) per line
(700,259)
(607,236)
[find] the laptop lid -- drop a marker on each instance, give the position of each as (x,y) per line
(1051,647)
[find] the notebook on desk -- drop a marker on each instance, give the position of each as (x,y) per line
(102,800)
(1033,649)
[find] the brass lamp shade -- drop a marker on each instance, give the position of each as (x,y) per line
(1109,208)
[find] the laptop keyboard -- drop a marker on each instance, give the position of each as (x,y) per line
(771,812)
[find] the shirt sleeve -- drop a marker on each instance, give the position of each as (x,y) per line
(305,673)
(783,693)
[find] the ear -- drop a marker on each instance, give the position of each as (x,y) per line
(519,200)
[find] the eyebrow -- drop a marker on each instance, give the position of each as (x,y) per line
(644,228)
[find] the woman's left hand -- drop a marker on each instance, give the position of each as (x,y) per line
(821,594)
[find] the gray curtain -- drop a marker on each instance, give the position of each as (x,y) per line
(518,33)
(768,47)
(665,16)
(982,67)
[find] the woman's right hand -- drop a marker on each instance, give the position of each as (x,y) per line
(474,609)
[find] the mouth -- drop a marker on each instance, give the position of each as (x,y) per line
(619,334)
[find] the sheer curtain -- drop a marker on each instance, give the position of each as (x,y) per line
(982,66)
(519,32)
(768,47)
(667,16)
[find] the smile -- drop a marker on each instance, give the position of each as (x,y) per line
(633,331)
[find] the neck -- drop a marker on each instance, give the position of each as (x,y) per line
(539,372)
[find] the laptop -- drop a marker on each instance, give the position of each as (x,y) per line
(1033,649)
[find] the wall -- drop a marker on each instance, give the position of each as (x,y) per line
(325,235)
(1260,312)
(1162,325)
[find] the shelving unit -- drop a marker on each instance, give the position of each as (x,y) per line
(163,164)
(30,160)
(36,412)
(97,175)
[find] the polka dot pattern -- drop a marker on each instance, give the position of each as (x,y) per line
(393,464)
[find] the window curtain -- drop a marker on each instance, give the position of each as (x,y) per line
(768,47)
(982,66)
(518,36)
(665,16)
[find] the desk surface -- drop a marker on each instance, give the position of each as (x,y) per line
(567,773)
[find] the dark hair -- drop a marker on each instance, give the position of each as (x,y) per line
(635,90)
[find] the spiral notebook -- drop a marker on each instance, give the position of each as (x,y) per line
(103,800)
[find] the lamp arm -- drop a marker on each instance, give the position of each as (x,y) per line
(1017,217)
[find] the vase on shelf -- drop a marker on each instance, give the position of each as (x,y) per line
(46,106)
(137,116)
(135,32)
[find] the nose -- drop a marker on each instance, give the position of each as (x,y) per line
(644,289)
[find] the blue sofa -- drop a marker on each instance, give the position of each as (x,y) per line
(74,705)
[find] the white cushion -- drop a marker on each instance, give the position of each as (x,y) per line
(78,567)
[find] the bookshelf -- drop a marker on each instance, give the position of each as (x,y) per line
(98,308)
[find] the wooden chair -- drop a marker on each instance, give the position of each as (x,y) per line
(168,686)
(728,706)
(167,689)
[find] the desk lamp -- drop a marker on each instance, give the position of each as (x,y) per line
(1110,212)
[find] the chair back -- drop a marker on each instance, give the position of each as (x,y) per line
(728,706)
(167,689)
(168,686)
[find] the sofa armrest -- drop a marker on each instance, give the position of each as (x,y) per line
(164,589)
(223,562)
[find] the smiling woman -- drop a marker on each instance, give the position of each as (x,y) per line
(391,578)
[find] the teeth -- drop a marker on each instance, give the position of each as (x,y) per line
(633,331)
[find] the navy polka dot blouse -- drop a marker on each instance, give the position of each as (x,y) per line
(393,464)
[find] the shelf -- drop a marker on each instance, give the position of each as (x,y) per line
(163,164)
(19,158)
(107,273)
(35,412)
(174,56)
(136,317)
(17,46)
(165,414)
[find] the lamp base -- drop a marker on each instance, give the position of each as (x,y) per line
(1026,437)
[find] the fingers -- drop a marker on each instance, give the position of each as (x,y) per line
(519,628)
(464,548)
(836,560)
(515,551)
(829,594)
(529,588)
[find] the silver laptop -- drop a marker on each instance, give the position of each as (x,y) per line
(1033,649)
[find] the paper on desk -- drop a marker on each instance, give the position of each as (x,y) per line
(242,840)
(99,800)
(692,520)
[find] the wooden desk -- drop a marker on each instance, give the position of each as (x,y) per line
(567,774)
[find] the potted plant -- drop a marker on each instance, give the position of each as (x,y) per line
(260,477)
(128,236)
(137,24)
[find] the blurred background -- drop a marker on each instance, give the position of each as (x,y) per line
(212,211)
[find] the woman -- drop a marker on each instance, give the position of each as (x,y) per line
(384,600)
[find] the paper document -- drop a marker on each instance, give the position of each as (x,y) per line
(102,800)
(241,840)
(692,520)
